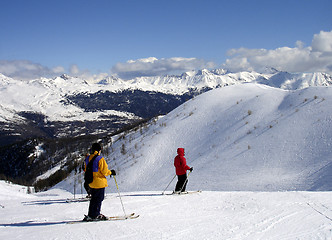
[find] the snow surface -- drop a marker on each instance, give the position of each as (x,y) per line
(206,215)
(261,156)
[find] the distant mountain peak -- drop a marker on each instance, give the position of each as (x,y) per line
(271,70)
(219,71)
(65,76)
(109,80)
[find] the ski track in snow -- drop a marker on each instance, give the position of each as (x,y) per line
(205,215)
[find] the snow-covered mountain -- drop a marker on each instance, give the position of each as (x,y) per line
(70,107)
(218,78)
(258,153)
(242,137)
(289,81)
(50,96)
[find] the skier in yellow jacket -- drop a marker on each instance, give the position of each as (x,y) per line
(99,183)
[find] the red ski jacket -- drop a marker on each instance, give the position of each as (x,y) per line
(180,163)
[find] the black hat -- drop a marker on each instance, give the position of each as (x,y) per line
(95,147)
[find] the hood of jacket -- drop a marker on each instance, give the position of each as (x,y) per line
(180,151)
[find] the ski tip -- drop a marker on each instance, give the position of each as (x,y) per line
(133,215)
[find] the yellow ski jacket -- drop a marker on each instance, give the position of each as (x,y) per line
(100,171)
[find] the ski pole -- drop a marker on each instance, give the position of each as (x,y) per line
(119,196)
(168,184)
(74,188)
(81,189)
(184,184)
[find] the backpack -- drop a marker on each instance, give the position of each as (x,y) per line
(88,176)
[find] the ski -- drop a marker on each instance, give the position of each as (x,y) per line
(128,216)
(112,218)
(190,192)
(183,193)
(78,200)
(82,199)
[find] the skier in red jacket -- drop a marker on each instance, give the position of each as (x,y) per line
(181,168)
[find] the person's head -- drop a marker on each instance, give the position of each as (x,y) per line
(95,147)
(180,151)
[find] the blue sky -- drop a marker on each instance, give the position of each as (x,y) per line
(132,38)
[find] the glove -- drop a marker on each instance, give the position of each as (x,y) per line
(191,169)
(113,172)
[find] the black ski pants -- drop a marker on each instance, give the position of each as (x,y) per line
(182,183)
(97,197)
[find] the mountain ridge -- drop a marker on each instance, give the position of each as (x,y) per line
(47,96)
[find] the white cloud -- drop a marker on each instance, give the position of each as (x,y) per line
(58,70)
(27,70)
(154,67)
(317,57)
(322,42)
(75,71)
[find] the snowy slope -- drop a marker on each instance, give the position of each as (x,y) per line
(242,137)
(207,215)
